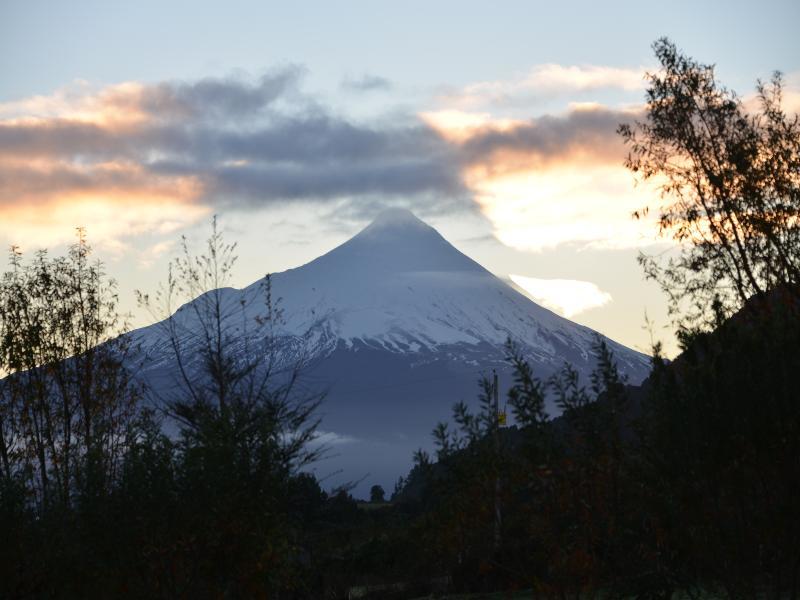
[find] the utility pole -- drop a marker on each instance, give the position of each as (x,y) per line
(498,518)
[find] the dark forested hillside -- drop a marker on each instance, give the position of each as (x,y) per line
(686,483)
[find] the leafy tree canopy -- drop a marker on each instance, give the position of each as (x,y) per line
(729,174)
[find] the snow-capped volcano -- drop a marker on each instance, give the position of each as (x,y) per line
(397,325)
(399,286)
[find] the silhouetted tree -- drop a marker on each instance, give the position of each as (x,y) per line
(67,398)
(569,521)
(67,405)
(245,428)
(376,494)
(718,451)
(730,182)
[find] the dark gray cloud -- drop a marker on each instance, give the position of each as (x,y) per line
(410,178)
(213,98)
(311,139)
(30,184)
(61,138)
(250,144)
(591,131)
(366,83)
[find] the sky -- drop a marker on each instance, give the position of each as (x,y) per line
(297,123)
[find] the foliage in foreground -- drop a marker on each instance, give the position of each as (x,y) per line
(730,181)
(687,485)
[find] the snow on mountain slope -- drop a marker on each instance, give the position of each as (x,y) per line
(400,286)
(397,325)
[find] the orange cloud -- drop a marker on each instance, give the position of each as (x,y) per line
(551,180)
(458,125)
(59,170)
(42,200)
(109,214)
(117,106)
(588,205)
(44,180)
(586,133)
